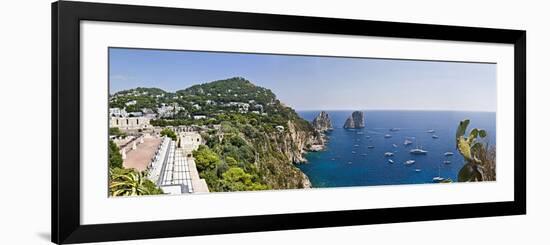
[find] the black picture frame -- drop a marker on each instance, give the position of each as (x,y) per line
(66,18)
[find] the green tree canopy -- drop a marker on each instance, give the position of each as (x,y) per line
(205,158)
(115,158)
(169,133)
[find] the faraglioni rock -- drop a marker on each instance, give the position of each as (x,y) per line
(356,120)
(322,122)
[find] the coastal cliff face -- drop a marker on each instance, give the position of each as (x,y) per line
(356,120)
(281,150)
(322,122)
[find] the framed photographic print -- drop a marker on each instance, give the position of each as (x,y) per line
(175,122)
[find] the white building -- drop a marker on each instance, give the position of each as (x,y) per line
(129,123)
(132,102)
(135,114)
(242,107)
(169,110)
(197,117)
(117,112)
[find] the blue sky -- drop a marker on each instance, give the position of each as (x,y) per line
(315,83)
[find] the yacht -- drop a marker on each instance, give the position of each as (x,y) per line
(387,136)
(438,179)
(394,145)
(390,161)
(435,136)
(409,162)
(407,142)
(418,170)
(370,147)
(418,151)
(447,162)
(431,131)
(388,154)
(448,154)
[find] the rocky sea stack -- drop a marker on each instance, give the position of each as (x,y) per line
(322,122)
(356,120)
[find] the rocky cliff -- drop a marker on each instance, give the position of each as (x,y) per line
(356,120)
(280,150)
(322,122)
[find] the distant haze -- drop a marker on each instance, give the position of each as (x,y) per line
(317,83)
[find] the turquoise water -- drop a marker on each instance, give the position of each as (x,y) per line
(348,160)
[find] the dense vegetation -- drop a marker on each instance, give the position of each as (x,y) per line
(247,152)
(115,159)
(143,97)
(227,174)
(116,132)
(479,157)
(256,137)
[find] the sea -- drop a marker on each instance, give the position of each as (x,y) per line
(356,157)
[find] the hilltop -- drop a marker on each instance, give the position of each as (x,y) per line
(257,138)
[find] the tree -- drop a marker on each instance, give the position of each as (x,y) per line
(479,162)
(169,133)
(236,179)
(205,158)
(115,158)
(231,161)
(117,132)
(129,182)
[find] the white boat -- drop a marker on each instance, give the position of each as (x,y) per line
(447,162)
(409,162)
(387,136)
(388,154)
(418,151)
(431,131)
(438,179)
(353,152)
(370,146)
(394,145)
(407,142)
(390,161)
(418,170)
(435,136)
(447,154)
